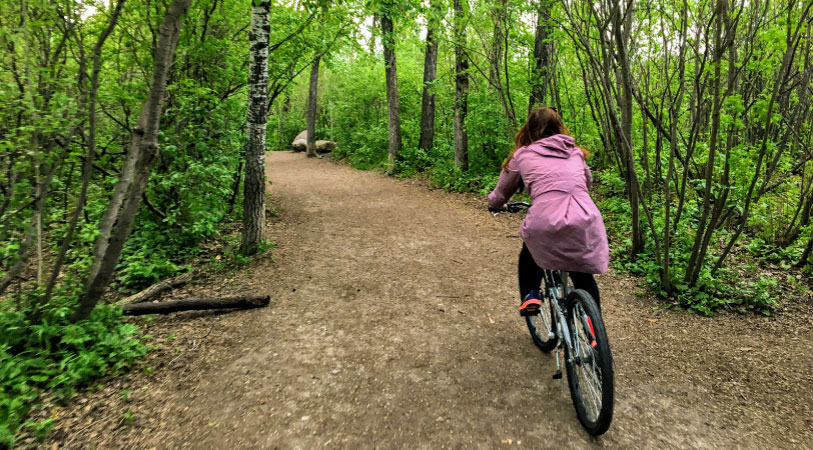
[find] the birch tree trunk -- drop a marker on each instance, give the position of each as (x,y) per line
(118,219)
(393,115)
(256,118)
(312,96)
(461,143)
(430,65)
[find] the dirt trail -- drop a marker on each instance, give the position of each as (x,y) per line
(394,324)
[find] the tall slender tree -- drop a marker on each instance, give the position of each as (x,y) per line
(89,95)
(698,250)
(622,20)
(541,58)
(430,65)
(121,211)
(393,114)
(312,96)
(461,142)
(256,118)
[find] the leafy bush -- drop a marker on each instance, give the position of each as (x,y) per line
(57,356)
(725,290)
(145,267)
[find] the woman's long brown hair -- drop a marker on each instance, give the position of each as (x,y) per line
(542,122)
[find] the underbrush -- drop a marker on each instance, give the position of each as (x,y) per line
(434,165)
(43,356)
(53,357)
(158,249)
(746,281)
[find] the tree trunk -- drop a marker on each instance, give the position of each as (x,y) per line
(461,144)
(393,115)
(496,58)
(430,64)
(512,114)
(704,232)
(139,309)
(625,103)
(543,48)
(645,158)
(674,110)
(133,178)
(312,91)
(286,108)
(254,183)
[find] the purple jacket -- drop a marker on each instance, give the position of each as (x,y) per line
(563,228)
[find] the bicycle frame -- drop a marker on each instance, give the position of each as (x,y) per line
(562,330)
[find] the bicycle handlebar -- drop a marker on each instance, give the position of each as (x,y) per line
(517,206)
(511,207)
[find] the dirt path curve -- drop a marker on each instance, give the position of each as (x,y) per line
(394,325)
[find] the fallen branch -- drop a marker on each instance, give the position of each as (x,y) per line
(138,309)
(157,288)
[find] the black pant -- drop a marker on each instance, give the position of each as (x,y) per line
(530,277)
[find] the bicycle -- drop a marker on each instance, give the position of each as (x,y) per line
(570,321)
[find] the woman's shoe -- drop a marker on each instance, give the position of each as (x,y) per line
(531,305)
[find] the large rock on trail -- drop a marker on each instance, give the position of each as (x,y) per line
(325,146)
(300,144)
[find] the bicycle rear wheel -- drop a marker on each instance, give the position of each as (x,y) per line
(589,364)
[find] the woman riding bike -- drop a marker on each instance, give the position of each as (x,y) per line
(563,229)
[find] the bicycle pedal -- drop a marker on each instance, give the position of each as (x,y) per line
(557,375)
(528,312)
(530,307)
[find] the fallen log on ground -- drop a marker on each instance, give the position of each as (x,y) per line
(195,304)
(157,288)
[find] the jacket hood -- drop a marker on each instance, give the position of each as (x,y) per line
(557,146)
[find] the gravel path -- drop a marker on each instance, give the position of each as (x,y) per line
(394,324)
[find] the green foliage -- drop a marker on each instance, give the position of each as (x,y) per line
(128,417)
(451,178)
(56,356)
(144,267)
(727,289)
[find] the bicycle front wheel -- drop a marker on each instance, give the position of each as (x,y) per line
(541,326)
(589,364)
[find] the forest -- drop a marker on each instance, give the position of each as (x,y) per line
(133,133)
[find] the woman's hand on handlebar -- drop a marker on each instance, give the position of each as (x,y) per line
(511,207)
